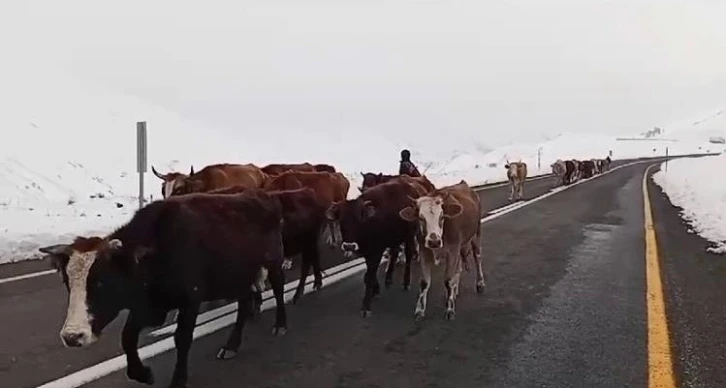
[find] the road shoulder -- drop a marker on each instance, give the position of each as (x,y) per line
(693,281)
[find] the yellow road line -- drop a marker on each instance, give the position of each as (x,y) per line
(660,361)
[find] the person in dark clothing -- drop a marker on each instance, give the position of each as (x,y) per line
(406,166)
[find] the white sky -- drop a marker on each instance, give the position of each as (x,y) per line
(495,71)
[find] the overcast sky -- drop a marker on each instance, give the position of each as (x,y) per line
(497,71)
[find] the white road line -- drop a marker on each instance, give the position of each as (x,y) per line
(117,363)
(27,276)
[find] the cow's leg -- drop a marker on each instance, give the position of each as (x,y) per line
(476,254)
(304,269)
(511,190)
(410,252)
(135,369)
(229,350)
(452,274)
(394,251)
(521,189)
(372,288)
(277,281)
(183,337)
(427,261)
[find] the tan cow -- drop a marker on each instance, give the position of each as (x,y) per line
(449,229)
(517,174)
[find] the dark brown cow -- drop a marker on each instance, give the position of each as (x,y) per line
(324,168)
(370,223)
(370,179)
(277,169)
(329,187)
(217,176)
(450,230)
(587,169)
(173,254)
(394,255)
(171,180)
(303,222)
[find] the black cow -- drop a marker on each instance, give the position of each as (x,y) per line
(587,168)
(173,254)
(370,223)
(303,223)
(570,172)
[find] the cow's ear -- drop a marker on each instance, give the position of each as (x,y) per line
(332,213)
(408,213)
(452,208)
(369,209)
(506,166)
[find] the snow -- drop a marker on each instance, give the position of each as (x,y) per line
(68,163)
(691,185)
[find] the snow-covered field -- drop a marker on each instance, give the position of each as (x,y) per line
(692,185)
(67,158)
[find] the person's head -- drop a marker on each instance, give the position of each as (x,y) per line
(405,155)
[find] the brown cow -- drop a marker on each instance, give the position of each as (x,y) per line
(324,168)
(171,180)
(217,176)
(277,169)
(516,174)
(329,187)
(449,229)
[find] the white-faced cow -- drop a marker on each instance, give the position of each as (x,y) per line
(516,174)
(173,254)
(449,229)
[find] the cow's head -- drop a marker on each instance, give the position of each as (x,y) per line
(369,180)
(431,211)
(193,184)
(511,169)
(171,180)
(351,216)
(99,284)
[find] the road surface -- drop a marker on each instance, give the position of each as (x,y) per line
(565,306)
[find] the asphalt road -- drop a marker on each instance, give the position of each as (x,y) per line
(564,307)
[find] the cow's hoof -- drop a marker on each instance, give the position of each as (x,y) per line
(226,354)
(388,283)
(143,375)
(296,297)
(366,313)
(317,285)
(177,384)
(418,316)
(406,287)
(479,288)
(450,315)
(279,331)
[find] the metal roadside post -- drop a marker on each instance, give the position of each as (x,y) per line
(666,162)
(141,156)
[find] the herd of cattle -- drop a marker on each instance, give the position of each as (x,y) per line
(224,231)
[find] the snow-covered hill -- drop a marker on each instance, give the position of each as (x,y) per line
(67,158)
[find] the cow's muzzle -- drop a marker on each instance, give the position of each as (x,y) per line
(77,339)
(349,247)
(433,241)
